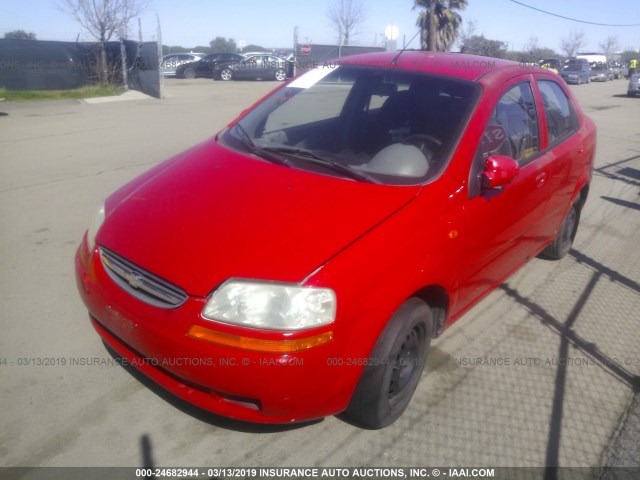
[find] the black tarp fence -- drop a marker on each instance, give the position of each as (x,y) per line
(50,65)
(143,67)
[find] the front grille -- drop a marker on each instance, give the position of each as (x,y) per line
(140,283)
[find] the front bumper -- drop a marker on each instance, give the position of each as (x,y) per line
(240,384)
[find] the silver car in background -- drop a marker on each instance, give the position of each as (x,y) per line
(601,73)
(172,61)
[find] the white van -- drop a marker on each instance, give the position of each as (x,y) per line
(594,59)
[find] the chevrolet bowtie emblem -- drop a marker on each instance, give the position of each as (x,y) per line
(134,279)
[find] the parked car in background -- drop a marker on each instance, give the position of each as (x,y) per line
(174,60)
(601,73)
(298,263)
(576,71)
(203,68)
(254,67)
(633,88)
(618,70)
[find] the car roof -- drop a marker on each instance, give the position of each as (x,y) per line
(184,53)
(458,65)
(220,53)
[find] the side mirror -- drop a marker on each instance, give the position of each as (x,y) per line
(499,171)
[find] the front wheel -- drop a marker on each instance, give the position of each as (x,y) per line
(564,239)
(190,73)
(226,74)
(281,75)
(394,367)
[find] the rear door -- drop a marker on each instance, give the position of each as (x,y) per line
(562,152)
(247,68)
(267,67)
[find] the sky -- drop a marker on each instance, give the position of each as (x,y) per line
(270,24)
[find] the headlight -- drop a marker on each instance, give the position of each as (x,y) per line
(94,227)
(271,305)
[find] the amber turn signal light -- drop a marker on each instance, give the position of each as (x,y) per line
(258,344)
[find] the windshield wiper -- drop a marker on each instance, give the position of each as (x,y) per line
(247,142)
(314,157)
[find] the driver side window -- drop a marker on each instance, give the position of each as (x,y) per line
(513,127)
(512,131)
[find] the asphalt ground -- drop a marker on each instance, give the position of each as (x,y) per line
(541,372)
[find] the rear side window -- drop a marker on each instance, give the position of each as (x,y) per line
(562,120)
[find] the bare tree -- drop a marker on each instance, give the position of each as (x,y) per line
(532,44)
(103,19)
(468,31)
(573,43)
(344,17)
(609,46)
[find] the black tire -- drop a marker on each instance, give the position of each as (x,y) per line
(280,75)
(189,73)
(564,239)
(226,74)
(395,367)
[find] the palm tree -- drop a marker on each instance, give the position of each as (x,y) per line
(439,23)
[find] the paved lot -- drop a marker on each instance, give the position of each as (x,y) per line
(563,336)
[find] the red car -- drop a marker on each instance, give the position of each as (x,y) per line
(297,264)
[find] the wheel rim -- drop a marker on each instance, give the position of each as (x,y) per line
(280,75)
(225,75)
(405,365)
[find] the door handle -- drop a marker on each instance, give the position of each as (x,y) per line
(541,179)
(581,149)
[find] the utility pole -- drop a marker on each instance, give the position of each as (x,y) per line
(295,49)
(161,79)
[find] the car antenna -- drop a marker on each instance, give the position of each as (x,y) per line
(395,59)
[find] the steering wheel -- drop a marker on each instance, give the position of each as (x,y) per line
(427,144)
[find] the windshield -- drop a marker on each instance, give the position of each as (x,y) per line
(367,124)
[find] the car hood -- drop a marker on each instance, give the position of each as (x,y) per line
(210,214)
